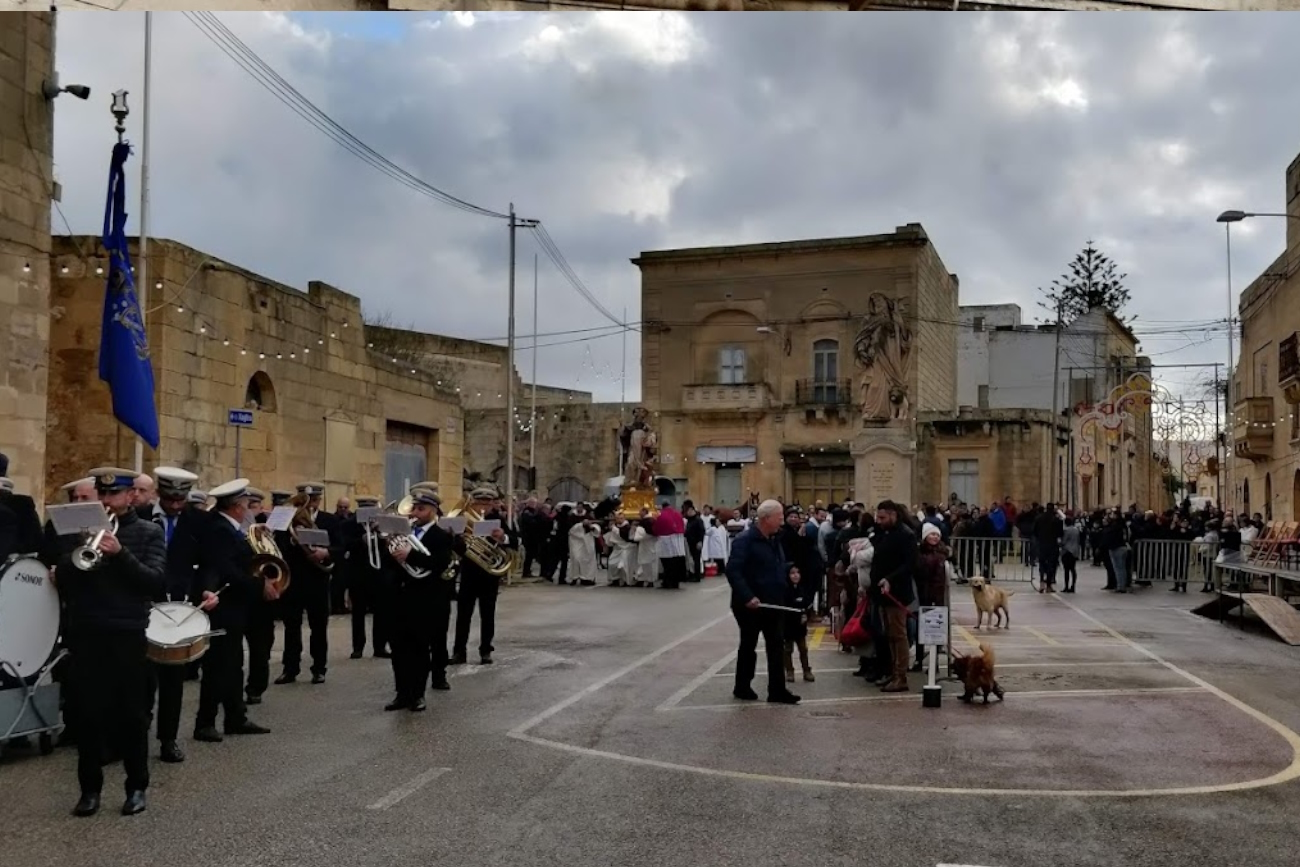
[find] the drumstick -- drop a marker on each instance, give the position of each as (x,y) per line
(781,608)
(197,609)
(164,613)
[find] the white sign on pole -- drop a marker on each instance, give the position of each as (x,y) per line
(934,626)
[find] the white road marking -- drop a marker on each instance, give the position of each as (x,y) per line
(719,589)
(407,789)
(911,696)
(520,731)
(711,672)
(1001,665)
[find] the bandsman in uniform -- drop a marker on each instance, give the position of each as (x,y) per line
(20,525)
(478,587)
(180,523)
(309,590)
(260,635)
(421,606)
(108,612)
(365,584)
(227,570)
(53,549)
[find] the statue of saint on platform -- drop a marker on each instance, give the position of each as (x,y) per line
(640,450)
(882,348)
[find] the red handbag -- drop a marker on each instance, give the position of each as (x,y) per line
(855,633)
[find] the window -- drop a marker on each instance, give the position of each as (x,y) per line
(826,371)
(984,397)
(964,481)
(731,365)
(568,490)
(406,458)
(979,324)
(1294,412)
(260,393)
(828,484)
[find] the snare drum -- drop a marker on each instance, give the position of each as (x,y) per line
(29,615)
(178,633)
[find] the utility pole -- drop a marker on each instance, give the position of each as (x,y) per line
(1056,407)
(532,422)
(515,223)
(1219,441)
(1229,447)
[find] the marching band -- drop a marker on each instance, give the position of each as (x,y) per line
(183,578)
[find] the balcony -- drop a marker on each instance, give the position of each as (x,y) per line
(1252,428)
(823,393)
(740,399)
(1288,367)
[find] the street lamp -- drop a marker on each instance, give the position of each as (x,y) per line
(1227,218)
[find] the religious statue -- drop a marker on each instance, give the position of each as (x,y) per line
(640,451)
(882,349)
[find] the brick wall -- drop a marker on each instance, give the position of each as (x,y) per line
(26,174)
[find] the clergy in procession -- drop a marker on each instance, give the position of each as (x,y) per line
(108,604)
(228,571)
(180,523)
(421,605)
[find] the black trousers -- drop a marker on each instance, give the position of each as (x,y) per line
(167,687)
(419,639)
(674,571)
(1069,562)
(340,584)
(223,678)
(113,699)
(480,590)
(532,553)
(261,637)
(311,597)
(367,598)
(767,623)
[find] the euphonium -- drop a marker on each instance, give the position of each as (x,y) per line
(410,543)
(482,552)
(372,545)
(268,563)
(88,556)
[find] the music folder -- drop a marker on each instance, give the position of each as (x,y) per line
(485,528)
(73,519)
(313,538)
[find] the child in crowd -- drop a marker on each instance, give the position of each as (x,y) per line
(796,626)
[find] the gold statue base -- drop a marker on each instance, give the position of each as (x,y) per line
(634,500)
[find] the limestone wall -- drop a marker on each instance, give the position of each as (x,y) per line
(1011,448)
(224,338)
(26,178)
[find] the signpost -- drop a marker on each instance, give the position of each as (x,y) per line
(239,419)
(932,632)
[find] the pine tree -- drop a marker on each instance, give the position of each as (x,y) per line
(1092,280)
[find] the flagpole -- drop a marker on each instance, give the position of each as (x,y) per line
(532,423)
(142,285)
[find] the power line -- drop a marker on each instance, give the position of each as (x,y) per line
(552,251)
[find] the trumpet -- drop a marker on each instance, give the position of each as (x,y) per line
(88,556)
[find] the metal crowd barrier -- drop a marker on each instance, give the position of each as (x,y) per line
(1177,561)
(1000,559)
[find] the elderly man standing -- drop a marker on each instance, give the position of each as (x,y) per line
(759,573)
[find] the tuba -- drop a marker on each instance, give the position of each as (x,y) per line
(268,564)
(483,553)
(88,556)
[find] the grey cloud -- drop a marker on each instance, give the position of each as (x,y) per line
(775,127)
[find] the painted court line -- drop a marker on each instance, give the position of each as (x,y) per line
(1287,774)
(404,791)
(815,641)
(699,681)
(1042,636)
(1036,693)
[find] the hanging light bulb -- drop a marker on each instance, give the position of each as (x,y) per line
(321,342)
(293,355)
(158,285)
(27,267)
(64,269)
(261,355)
(99,271)
(243,352)
(225,343)
(306,350)
(332,334)
(203,329)
(280,356)
(180,309)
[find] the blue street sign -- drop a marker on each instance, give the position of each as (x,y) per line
(240,417)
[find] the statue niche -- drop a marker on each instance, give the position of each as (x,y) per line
(882,349)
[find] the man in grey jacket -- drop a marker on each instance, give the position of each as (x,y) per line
(758,573)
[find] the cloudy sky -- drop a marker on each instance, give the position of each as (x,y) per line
(1012,139)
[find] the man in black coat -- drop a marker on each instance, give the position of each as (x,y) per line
(309,590)
(365,583)
(227,570)
(108,609)
(20,526)
(758,572)
(421,606)
(893,587)
(180,526)
(260,632)
(478,586)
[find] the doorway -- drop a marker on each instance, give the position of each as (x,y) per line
(726,485)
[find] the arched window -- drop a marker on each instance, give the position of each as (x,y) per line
(567,490)
(826,371)
(260,393)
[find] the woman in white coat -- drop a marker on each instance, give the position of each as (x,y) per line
(583,564)
(716,543)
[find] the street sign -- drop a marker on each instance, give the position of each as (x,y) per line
(934,626)
(240,417)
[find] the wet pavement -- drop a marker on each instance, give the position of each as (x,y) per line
(1133,733)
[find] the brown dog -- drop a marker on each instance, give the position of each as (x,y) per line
(992,601)
(976,673)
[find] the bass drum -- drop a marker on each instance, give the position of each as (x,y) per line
(29,616)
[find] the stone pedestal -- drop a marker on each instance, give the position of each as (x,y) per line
(883,453)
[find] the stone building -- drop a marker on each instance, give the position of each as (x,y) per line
(1265,467)
(797,369)
(26,189)
(325,404)
(974,456)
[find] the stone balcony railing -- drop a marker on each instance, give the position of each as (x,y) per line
(1252,428)
(741,398)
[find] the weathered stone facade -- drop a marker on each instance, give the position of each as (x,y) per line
(26,185)
(326,406)
(1265,431)
(748,361)
(977,456)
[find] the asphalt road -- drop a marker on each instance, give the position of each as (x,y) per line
(1132,734)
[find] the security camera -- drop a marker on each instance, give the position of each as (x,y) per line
(80,91)
(51,89)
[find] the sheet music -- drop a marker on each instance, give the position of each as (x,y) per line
(368,513)
(74,519)
(392,525)
(313,538)
(280,518)
(485,528)
(455,526)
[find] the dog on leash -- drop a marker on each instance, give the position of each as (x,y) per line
(990,601)
(977,675)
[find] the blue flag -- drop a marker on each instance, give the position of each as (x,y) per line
(124,347)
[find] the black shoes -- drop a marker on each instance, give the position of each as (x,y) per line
(318,678)
(398,703)
(459,658)
(253,699)
(171,752)
(418,705)
(356,654)
(135,803)
(88,805)
(286,678)
(783,698)
(485,659)
(383,654)
(247,727)
(441,684)
(745,694)
(208,734)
